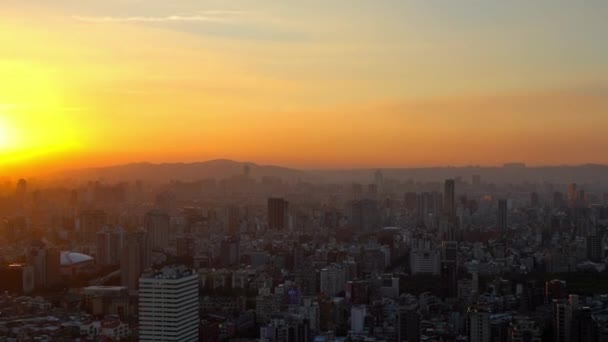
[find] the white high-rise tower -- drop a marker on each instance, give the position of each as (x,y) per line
(168,305)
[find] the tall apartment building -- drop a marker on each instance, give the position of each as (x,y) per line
(135,259)
(479,325)
(169,305)
(277,213)
(158,225)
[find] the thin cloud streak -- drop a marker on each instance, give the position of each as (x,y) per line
(172,18)
(206,16)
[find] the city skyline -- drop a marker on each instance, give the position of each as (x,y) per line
(314,85)
(304,171)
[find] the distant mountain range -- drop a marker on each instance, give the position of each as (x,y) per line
(223,168)
(218,168)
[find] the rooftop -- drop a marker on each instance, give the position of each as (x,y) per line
(169,272)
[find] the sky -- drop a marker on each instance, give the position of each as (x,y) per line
(309,84)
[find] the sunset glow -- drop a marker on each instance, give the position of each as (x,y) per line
(389,84)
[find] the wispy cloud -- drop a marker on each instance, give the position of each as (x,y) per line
(206,16)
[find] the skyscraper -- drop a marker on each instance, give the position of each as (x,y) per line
(109,246)
(476,180)
(534,200)
(594,248)
(558,199)
(135,259)
(562,321)
(45,262)
(357,318)
(449,198)
(579,201)
(91,222)
(229,251)
(449,268)
(583,327)
(21,190)
(157,224)
(479,325)
(501,222)
(277,213)
(379,180)
(169,305)
(572,192)
(524,329)
(234,220)
(409,325)
(53,266)
(365,215)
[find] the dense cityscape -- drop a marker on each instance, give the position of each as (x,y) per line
(250,257)
(303,170)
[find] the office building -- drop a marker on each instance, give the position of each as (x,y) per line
(583,327)
(572,194)
(158,225)
(449,199)
(109,246)
(476,180)
(562,321)
(277,213)
(534,200)
(229,251)
(501,221)
(234,220)
(46,263)
(408,328)
(357,318)
(365,215)
(594,248)
(332,279)
(17,279)
(479,325)
(524,329)
(135,259)
(449,268)
(91,222)
(425,261)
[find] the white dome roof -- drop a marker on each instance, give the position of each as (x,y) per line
(72,258)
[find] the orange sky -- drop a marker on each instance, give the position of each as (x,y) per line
(303,85)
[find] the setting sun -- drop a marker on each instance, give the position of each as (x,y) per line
(34,122)
(7,133)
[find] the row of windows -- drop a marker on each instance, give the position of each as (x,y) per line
(168,308)
(167,316)
(168,330)
(166,292)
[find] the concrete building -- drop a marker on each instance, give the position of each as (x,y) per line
(157,224)
(135,259)
(169,305)
(524,329)
(562,320)
(424,259)
(408,328)
(357,318)
(109,246)
(501,217)
(45,262)
(449,198)
(479,325)
(332,279)
(277,213)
